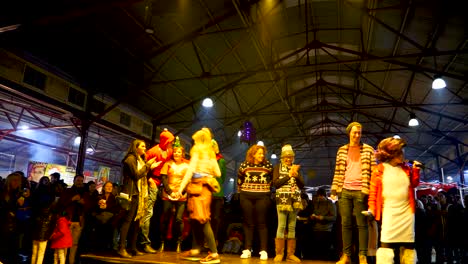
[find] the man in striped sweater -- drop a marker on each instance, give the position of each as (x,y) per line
(354,164)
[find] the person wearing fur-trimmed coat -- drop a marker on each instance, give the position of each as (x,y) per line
(392,201)
(61,239)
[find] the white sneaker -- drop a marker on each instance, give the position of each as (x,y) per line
(246,254)
(263,255)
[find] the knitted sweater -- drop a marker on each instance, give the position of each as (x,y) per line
(288,189)
(375,196)
(254,177)
(367,164)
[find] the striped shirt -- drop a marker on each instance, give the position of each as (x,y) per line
(367,164)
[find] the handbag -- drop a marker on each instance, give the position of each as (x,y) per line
(124,200)
(195,187)
(104,217)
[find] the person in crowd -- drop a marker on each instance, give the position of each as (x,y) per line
(9,201)
(217,203)
(322,218)
(163,153)
(61,239)
(288,183)
(172,174)
(104,211)
(23,217)
(135,167)
(354,164)
(200,183)
(91,188)
(254,179)
(75,201)
(57,184)
(43,201)
(392,201)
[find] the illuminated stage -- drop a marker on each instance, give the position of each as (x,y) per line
(172,257)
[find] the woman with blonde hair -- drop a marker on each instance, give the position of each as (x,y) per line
(392,201)
(254,183)
(202,169)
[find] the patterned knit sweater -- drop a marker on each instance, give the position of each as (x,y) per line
(288,189)
(254,177)
(367,164)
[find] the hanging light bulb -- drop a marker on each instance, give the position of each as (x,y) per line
(260,143)
(207,102)
(438,83)
(273,156)
(413,121)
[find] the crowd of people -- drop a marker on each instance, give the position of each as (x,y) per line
(372,215)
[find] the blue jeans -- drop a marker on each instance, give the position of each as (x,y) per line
(351,204)
(145,228)
(283,218)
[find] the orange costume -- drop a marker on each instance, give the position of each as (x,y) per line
(375,201)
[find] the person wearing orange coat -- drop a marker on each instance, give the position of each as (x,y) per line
(392,201)
(61,239)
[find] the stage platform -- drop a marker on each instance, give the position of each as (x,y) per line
(172,257)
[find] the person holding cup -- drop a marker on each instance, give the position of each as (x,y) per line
(288,183)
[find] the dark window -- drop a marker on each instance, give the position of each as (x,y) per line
(76,97)
(34,78)
(125,119)
(147,129)
(97,106)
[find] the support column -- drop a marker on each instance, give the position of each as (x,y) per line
(83,146)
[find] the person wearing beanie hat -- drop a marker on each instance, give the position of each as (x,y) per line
(163,153)
(288,183)
(287,150)
(353,168)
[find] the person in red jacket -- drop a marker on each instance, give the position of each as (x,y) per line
(392,201)
(163,153)
(61,239)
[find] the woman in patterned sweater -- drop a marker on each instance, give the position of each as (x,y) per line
(254,183)
(288,183)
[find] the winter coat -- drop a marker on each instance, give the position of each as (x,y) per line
(61,237)
(43,217)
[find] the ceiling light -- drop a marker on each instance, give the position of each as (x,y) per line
(239,134)
(413,121)
(149,31)
(23,127)
(438,83)
(89,150)
(207,102)
(273,156)
(77,141)
(397,136)
(260,143)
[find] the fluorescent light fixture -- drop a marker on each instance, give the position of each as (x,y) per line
(260,143)
(273,156)
(413,121)
(207,102)
(438,83)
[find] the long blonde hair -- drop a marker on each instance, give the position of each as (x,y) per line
(202,144)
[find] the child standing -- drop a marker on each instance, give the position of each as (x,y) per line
(61,239)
